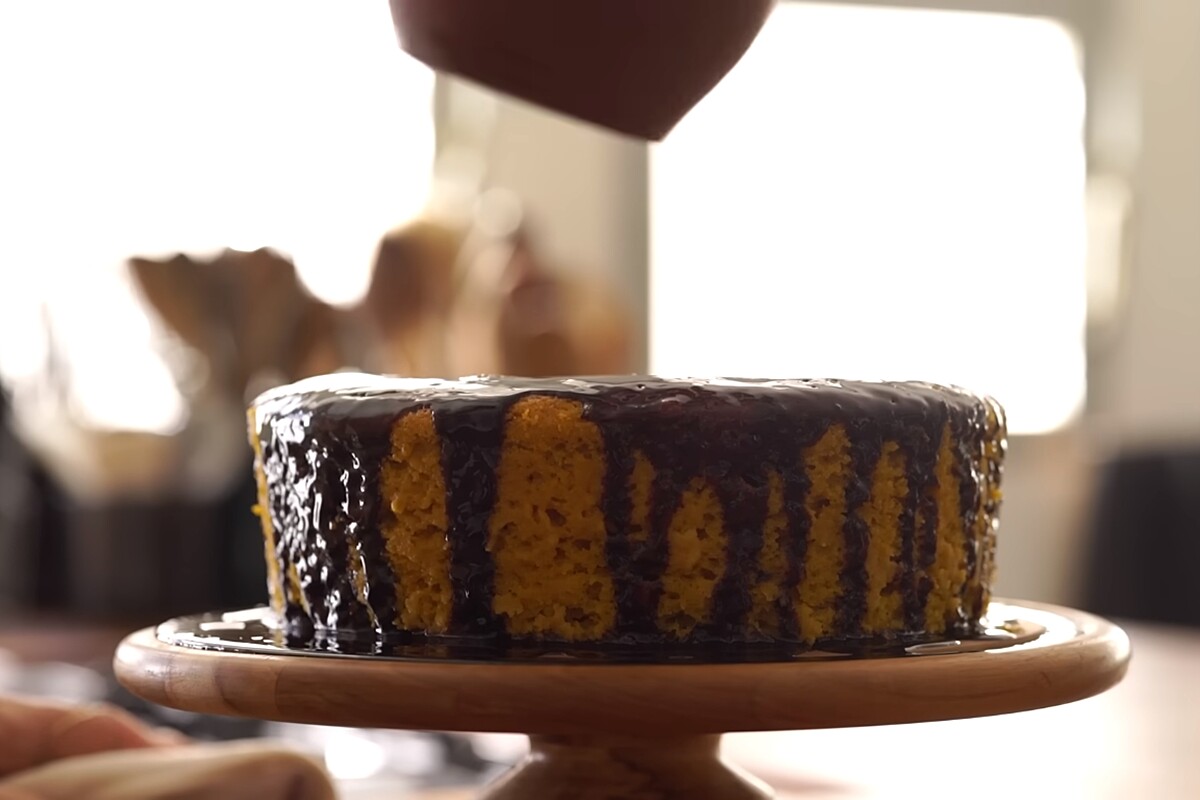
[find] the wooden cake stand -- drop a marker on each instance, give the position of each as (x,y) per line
(605,728)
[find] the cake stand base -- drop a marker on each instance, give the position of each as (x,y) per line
(605,767)
(602,730)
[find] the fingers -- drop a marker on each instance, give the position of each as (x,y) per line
(16,794)
(165,737)
(33,733)
(84,730)
(229,771)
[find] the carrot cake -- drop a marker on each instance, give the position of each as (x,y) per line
(628,510)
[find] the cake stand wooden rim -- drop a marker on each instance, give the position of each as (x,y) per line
(1080,655)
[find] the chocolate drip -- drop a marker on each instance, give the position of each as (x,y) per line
(731,434)
(301,532)
(968,450)
(380,579)
(865,449)
(919,547)
(926,545)
(471,437)
(350,519)
(324,507)
(356,564)
(617,508)
(636,567)
(795,541)
(731,457)
(996,427)
(743,494)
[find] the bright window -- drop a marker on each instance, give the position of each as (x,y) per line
(141,127)
(882,193)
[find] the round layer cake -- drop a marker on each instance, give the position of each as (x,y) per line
(628,510)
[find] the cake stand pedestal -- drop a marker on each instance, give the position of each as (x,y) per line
(624,730)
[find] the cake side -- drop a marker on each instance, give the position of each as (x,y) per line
(636,511)
(277,595)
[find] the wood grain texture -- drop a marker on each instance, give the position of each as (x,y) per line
(633,731)
(600,768)
(1080,655)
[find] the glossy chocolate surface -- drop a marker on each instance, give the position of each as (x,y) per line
(323,441)
(256,631)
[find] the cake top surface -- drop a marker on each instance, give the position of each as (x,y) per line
(342,392)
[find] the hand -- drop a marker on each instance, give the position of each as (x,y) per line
(33,733)
(17,794)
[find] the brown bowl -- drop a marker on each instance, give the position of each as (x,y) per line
(635,66)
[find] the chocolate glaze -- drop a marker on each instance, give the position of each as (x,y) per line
(921,474)
(795,489)
(991,480)
(731,453)
(324,507)
(324,440)
(256,631)
(745,505)
(471,437)
(968,452)
(865,447)
(636,567)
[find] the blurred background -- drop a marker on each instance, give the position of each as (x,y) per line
(199,201)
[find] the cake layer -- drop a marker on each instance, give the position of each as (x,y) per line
(634,509)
